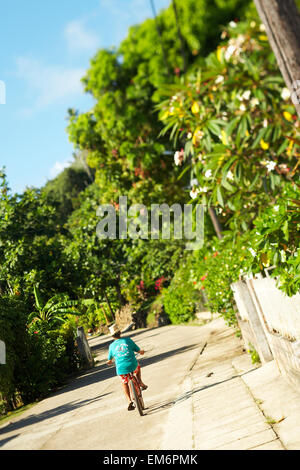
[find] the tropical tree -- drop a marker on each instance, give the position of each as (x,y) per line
(53,311)
(234,128)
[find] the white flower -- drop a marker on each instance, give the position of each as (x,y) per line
(229,51)
(219,79)
(229,175)
(194,193)
(246,95)
(262,27)
(270,165)
(208,174)
(190,135)
(253,253)
(232,24)
(252,24)
(254,102)
(285,94)
(243,107)
(265,123)
(276,208)
(178,157)
(204,189)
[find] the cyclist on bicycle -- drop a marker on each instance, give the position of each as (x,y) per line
(122,350)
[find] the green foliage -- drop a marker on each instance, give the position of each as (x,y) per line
(53,311)
(274,242)
(180,298)
(52,356)
(215,267)
(238,130)
(32,245)
(38,357)
(235,135)
(254,355)
(62,192)
(13,316)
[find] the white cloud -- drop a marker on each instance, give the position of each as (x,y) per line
(79,39)
(58,168)
(124,13)
(48,83)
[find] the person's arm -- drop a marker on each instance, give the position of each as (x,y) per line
(136,348)
(110,357)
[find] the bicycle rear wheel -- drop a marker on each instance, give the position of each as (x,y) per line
(141,399)
(135,395)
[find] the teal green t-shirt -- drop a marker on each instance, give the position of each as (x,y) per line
(122,350)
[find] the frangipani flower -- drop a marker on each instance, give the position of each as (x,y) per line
(285,94)
(219,79)
(204,189)
(229,51)
(270,165)
(246,95)
(254,102)
(178,157)
(194,193)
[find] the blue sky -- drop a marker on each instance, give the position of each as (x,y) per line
(45,50)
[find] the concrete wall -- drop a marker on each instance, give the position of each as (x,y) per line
(270,321)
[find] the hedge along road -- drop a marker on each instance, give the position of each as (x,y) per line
(90,412)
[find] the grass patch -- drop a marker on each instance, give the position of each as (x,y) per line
(254,355)
(15,413)
(271,421)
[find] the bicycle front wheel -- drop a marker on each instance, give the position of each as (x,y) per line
(135,395)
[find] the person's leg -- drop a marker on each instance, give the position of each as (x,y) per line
(127,392)
(139,377)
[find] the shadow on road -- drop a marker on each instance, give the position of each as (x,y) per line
(37,418)
(132,334)
(157,407)
(10,438)
(98,373)
(103,372)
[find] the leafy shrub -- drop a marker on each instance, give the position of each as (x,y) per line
(275,240)
(52,355)
(180,298)
(37,358)
(215,267)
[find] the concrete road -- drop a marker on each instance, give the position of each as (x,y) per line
(91,411)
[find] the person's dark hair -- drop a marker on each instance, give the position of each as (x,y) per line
(117,335)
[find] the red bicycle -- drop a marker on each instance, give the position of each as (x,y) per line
(136,393)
